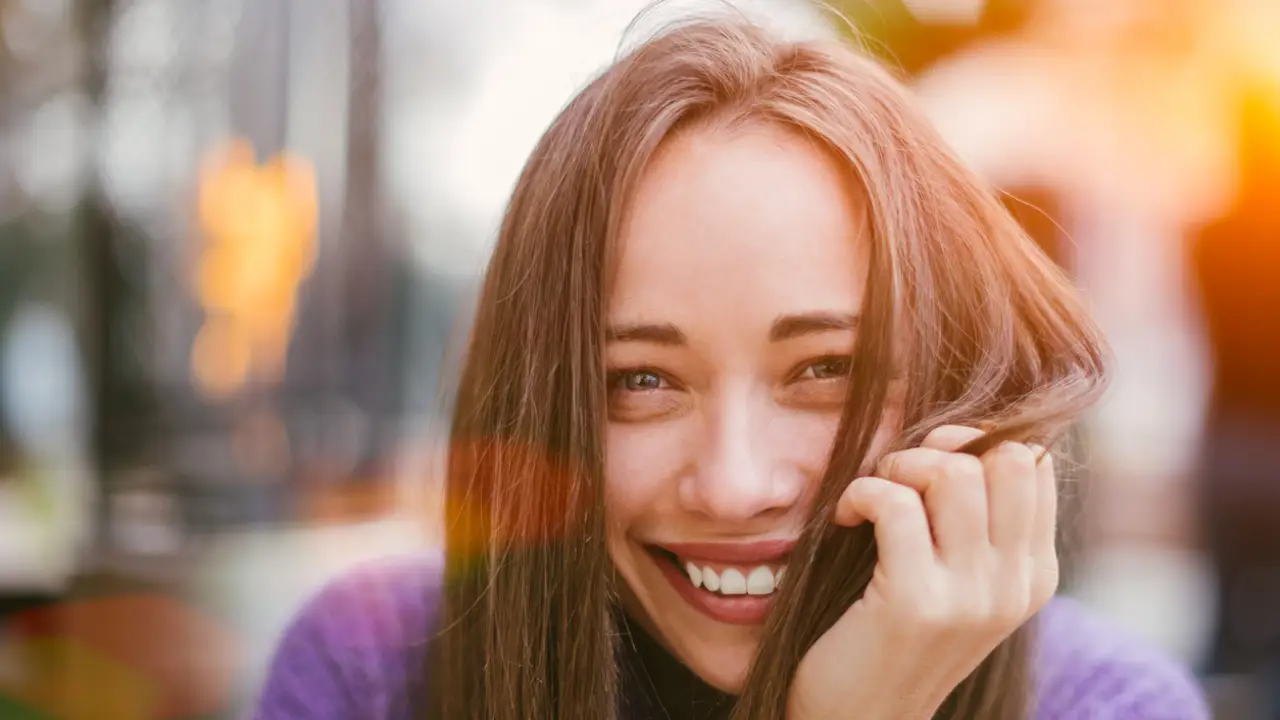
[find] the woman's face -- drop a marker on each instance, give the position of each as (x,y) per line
(730,328)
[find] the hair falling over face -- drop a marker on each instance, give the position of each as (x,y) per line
(999,339)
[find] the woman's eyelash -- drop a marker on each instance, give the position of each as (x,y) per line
(642,379)
(638,379)
(828,367)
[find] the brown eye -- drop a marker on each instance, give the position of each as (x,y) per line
(828,368)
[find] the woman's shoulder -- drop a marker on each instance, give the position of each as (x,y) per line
(352,648)
(1088,667)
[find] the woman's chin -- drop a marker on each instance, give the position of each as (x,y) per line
(719,653)
(723,667)
(731,684)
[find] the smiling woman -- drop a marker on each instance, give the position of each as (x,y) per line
(716,448)
(741,273)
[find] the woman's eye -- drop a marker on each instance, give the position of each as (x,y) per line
(828,368)
(644,395)
(638,380)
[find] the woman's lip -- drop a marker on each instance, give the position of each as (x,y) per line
(756,551)
(731,609)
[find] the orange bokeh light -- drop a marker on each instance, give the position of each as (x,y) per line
(258,224)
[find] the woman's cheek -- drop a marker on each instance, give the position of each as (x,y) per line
(808,441)
(642,467)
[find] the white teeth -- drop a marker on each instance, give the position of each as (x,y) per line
(759,582)
(732,582)
(695,574)
(710,580)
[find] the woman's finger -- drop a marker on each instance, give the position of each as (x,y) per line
(951,437)
(1012,492)
(954,492)
(898,514)
(1044,534)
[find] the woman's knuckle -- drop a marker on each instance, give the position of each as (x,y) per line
(888,465)
(900,500)
(1017,456)
(965,467)
(934,474)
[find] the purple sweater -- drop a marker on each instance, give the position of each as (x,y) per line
(349,653)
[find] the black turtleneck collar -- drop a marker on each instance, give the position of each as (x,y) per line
(656,686)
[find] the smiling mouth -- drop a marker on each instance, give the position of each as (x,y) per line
(760,579)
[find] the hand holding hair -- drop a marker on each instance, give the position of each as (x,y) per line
(966,556)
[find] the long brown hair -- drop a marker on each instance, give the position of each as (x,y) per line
(983,326)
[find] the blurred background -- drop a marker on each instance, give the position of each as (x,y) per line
(239,240)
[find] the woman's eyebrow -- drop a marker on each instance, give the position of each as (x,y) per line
(658,334)
(787,327)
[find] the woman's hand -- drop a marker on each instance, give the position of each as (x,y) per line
(966,556)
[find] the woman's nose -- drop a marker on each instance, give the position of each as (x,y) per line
(741,470)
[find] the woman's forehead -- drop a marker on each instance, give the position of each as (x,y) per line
(755,216)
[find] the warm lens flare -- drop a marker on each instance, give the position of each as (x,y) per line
(521,497)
